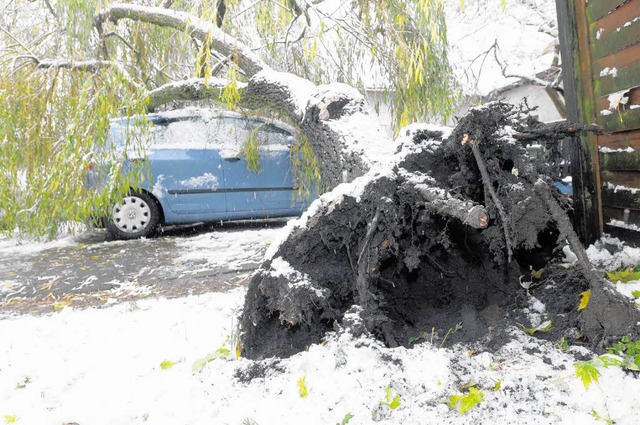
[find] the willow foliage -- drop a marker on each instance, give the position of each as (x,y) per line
(398,46)
(53,118)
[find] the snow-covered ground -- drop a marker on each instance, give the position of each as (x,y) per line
(105,366)
(133,363)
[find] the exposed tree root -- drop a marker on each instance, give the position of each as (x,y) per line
(430,235)
(488,186)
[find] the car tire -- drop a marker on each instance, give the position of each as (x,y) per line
(136,216)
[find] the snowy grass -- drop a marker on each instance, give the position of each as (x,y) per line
(133,363)
(103,366)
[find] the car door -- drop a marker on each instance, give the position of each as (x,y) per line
(241,184)
(276,180)
(186,171)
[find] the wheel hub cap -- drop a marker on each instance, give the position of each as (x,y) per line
(132,215)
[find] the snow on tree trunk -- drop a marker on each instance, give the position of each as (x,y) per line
(440,245)
(346,139)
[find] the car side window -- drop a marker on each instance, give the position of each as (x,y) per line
(278,139)
(189,133)
(277,135)
(233,133)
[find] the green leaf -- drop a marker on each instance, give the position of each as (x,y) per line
(497,386)
(537,274)
(167,364)
(60,305)
(395,403)
(623,276)
(10,419)
(635,294)
(391,401)
(587,372)
(346,419)
(628,352)
(542,327)
(564,345)
(220,353)
(609,360)
(466,402)
(454,399)
(302,387)
(412,339)
(199,364)
(597,417)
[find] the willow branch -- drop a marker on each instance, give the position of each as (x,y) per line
(249,62)
(86,65)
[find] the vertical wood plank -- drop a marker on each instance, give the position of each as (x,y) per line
(573,31)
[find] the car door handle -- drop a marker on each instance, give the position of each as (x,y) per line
(232,159)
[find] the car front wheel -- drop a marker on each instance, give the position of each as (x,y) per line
(136,216)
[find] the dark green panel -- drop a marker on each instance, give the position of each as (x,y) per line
(620,161)
(620,121)
(620,199)
(615,41)
(626,79)
(596,9)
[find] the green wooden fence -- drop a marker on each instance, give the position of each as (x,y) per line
(600,45)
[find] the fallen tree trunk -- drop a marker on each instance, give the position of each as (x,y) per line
(445,244)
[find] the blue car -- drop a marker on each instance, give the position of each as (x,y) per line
(196,167)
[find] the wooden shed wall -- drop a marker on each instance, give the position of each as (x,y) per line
(601,52)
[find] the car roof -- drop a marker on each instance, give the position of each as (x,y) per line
(204,113)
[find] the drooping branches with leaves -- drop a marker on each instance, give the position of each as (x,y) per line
(67,66)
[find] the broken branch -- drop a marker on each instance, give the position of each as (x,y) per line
(443,203)
(488,186)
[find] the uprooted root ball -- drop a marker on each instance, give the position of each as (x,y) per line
(446,246)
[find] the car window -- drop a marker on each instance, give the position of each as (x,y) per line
(276,135)
(233,133)
(128,138)
(277,139)
(180,134)
(226,134)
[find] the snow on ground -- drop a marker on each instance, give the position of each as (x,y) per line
(233,250)
(612,254)
(103,366)
(10,245)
